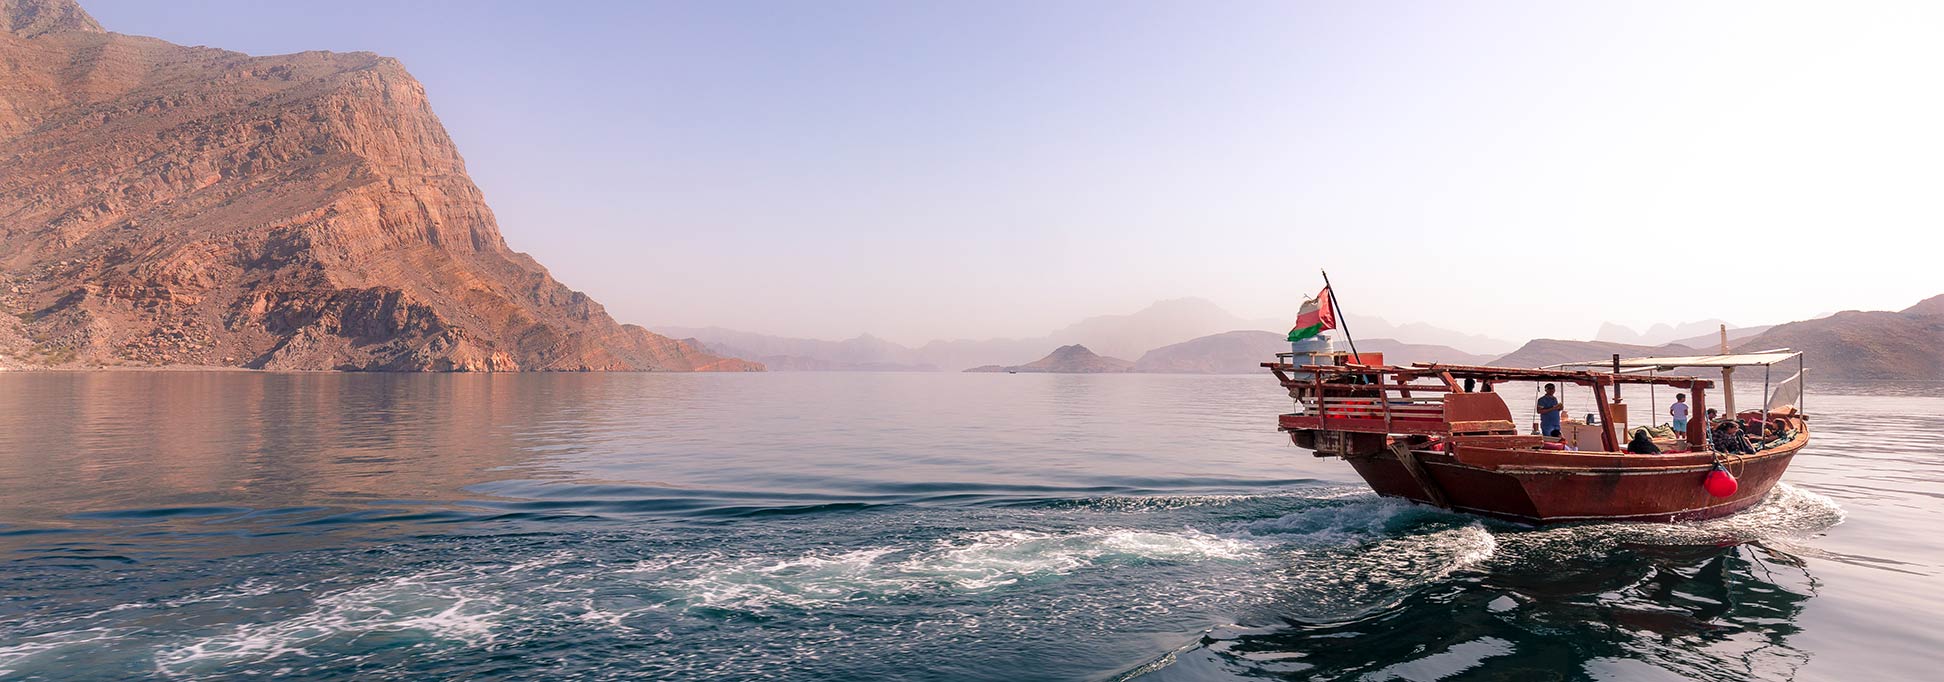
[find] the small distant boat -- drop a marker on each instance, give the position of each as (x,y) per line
(1420,433)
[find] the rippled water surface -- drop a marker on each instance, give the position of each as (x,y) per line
(890,526)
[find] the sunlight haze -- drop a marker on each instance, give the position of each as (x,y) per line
(1517,169)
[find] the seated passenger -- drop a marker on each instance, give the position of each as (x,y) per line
(1728,439)
(1641,444)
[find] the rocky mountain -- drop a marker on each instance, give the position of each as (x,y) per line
(171,205)
(1860,346)
(1074,359)
(1543,352)
(1242,352)
(1929,306)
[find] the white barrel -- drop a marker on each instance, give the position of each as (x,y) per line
(1315,350)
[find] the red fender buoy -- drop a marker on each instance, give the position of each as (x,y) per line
(1720,483)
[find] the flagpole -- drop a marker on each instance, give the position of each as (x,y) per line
(1342,322)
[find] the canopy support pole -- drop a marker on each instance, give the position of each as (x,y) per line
(1802,387)
(1765,395)
(1607,438)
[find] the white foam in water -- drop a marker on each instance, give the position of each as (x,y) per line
(436,606)
(27,647)
(1336,523)
(1347,558)
(1356,576)
(977,561)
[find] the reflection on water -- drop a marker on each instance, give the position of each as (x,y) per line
(887,526)
(1664,612)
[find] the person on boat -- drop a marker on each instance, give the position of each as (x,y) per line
(1728,439)
(1549,409)
(1713,416)
(1679,411)
(1642,444)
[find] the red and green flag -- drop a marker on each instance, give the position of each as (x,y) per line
(1316,315)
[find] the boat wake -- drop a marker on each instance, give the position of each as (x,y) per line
(969,563)
(923,581)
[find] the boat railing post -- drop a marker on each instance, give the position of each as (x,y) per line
(1383,396)
(1322,403)
(1698,426)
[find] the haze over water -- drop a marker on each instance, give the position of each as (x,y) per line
(889,526)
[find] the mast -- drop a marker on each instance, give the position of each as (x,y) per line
(1727,381)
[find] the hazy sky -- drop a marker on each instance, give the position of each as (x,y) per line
(973,169)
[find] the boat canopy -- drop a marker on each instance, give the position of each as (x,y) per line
(1757,359)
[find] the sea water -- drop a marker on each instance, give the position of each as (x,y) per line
(839,526)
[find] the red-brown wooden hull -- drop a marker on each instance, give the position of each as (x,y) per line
(1552,487)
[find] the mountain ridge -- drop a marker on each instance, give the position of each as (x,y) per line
(1165,322)
(1243,351)
(1856,345)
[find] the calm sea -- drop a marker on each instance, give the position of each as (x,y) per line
(891,526)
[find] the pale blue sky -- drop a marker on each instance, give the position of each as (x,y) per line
(922,170)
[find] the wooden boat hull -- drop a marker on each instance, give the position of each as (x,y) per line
(1417,433)
(1558,487)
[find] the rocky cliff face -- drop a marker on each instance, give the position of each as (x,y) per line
(162,204)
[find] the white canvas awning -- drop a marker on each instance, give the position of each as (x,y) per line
(1760,359)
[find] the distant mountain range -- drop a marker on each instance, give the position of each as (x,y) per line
(1162,324)
(1859,345)
(864,353)
(1242,352)
(1664,333)
(1544,352)
(1712,340)
(1848,346)
(1073,359)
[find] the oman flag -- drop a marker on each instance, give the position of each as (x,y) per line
(1317,315)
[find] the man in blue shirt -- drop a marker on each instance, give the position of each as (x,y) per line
(1549,409)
